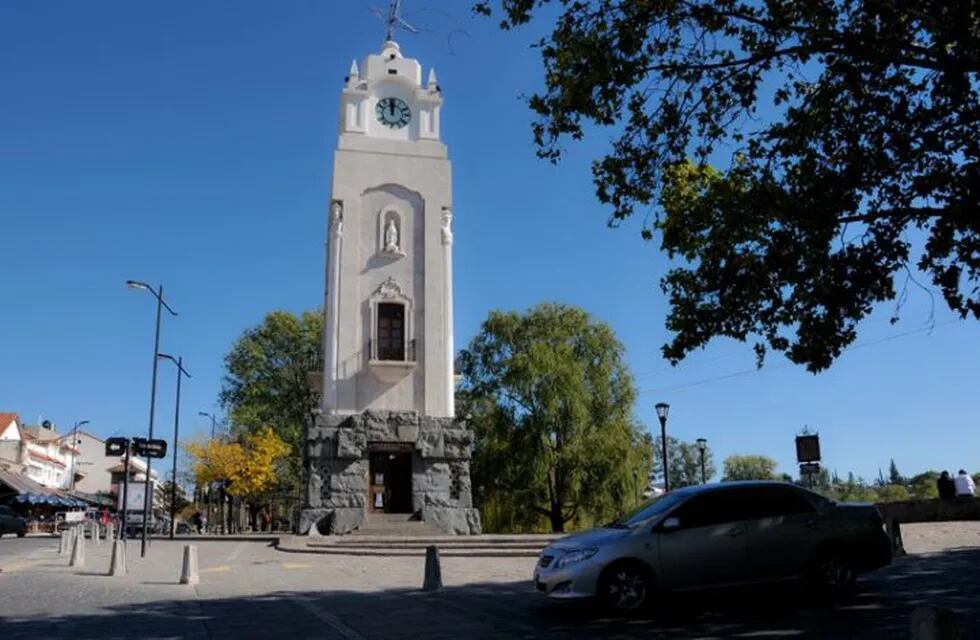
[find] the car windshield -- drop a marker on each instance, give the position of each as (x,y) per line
(649,509)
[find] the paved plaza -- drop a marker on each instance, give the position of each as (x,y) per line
(251,590)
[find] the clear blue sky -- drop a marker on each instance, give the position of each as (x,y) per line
(190,144)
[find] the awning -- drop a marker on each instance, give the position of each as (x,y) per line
(23,490)
(15,483)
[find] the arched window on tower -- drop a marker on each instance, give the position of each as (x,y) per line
(391,331)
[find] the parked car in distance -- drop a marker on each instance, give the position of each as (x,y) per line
(10,522)
(717,535)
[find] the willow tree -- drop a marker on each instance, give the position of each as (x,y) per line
(551,400)
(846,142)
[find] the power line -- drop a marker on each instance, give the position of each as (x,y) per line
(853,347)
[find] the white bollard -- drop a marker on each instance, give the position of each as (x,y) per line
(96,533)
(117,566)
(63,543)
(78,552)
(188,572)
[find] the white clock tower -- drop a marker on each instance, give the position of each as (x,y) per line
(387,441)
(389,312)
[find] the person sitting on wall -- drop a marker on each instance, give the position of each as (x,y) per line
(947,489)
(965,488)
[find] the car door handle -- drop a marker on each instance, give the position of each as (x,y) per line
(810,524)
(734,532)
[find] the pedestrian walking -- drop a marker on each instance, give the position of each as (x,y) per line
(947,489)
(198,521)
(964,485)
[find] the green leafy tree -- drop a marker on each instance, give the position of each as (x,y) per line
(684,461)
(894,477)
(551,400)
(893,493)
(749,468)
(923,486)
(813,218)
(266,382)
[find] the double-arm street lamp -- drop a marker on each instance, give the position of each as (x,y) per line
(181,372)
(662,409)
(702,447)
(161,304)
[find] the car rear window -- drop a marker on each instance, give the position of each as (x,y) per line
(6,511)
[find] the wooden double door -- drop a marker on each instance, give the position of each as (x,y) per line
(390,482)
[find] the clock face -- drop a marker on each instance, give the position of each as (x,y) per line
(392,112)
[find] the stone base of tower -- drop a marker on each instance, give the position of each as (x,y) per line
(388,462)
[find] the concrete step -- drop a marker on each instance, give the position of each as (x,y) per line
(416,553)
(366,544)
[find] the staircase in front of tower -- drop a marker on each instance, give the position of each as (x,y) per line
(394,524)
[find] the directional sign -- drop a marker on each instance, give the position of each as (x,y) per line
(808,448)
(150,448)
(115,447)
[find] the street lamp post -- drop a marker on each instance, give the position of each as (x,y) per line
(662,409)
(173,480)
(74,443)
(702,447)
(213,420)
(210,492)
(147,497)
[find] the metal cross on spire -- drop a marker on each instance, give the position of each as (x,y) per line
(393,20)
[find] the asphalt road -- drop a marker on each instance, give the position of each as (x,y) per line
(249,590)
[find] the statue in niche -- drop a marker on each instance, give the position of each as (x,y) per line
(337,214)
(447,225)
(391,237)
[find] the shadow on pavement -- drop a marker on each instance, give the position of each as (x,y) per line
(879,608)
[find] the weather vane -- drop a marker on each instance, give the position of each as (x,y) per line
(393,20)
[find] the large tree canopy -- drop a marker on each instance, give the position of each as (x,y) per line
(551,401)
(266,382)
(839,126)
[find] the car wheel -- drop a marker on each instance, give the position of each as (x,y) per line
(21,534)
(626,588)
(831,572)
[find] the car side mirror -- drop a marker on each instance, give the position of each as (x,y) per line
(670,524)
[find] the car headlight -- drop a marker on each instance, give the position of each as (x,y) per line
(576,555)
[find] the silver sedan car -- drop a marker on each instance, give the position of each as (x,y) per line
(718,535)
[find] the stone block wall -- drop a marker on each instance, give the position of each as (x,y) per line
(337,459)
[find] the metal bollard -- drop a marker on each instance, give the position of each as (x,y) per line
(63,543)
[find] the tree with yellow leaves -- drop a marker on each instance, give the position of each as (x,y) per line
(245,469)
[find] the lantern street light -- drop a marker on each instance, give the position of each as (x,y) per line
(702,447)
(181,371)
(161,303)
(662,409)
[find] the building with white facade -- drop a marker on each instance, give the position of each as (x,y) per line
(387,440)
(11,443)
(49,456)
